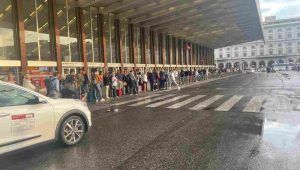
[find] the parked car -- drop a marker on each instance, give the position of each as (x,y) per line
(28,118)
(250,70)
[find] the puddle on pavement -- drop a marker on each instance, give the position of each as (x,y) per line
(282,136)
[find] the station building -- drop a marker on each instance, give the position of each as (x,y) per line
(39,36)
(281,46)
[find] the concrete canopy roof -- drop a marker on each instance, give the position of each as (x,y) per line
(213,23)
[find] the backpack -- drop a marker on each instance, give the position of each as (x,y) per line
(52,84)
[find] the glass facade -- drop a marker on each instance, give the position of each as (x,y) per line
(41,25)
(67,24)
(7,44)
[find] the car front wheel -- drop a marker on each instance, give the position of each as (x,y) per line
(72,130)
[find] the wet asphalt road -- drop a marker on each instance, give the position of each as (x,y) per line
(141,137)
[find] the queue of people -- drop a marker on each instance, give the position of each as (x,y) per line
(98,86)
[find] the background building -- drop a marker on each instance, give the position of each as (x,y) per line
(282,45)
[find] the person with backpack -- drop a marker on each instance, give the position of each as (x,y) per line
(69,84)
(54,86)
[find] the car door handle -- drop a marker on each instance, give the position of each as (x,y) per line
(4,114)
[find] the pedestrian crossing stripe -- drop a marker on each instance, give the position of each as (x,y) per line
(151,100)
(134,100)
(185,102)
(255,104)
(206,103)
(226,106)
(167,101)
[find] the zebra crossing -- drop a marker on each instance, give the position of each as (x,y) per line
(220,103)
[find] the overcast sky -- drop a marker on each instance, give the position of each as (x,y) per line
(281,8)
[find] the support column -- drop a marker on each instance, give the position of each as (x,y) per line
(175,50)
(152,48)
(55,49)
(81,45)
(143,45)
(118,42)
(102,40)
(19,33)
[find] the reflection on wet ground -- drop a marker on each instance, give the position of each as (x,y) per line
(282,136)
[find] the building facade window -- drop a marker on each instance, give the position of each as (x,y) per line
(253,51)
(289,33)
(220,53)
(36,26)
(7,45)
(298,47)
(279,34)
(261,50)
(271,52)
(236,52)
(280,49)
(289,48)
(244,51)
(228,52)
(67,31)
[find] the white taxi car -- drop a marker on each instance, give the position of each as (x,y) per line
(28,118)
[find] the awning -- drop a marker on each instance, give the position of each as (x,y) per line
(213,23)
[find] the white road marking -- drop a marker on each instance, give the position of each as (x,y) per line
(207,102)
(229,103)
(185,102)
(151,100)
(166,101)
(134,100)
(255,104)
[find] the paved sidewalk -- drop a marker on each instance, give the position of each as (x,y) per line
(107,104)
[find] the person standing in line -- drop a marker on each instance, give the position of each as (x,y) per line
(27,83)
(173,80)
(132,83)
(79,81)
(54,86)
(126,82)
(152,80)
(139,83)
(47,83)
(114,84)
(106,83)
(85,84)
(162,80)
(70,86)
(157,78)
(144,81)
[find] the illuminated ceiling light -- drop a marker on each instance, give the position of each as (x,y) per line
(32,13)
(26,20)
(1,15)
(72,20)
(62,28)
(8,8)
(39,7)
(59,12)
